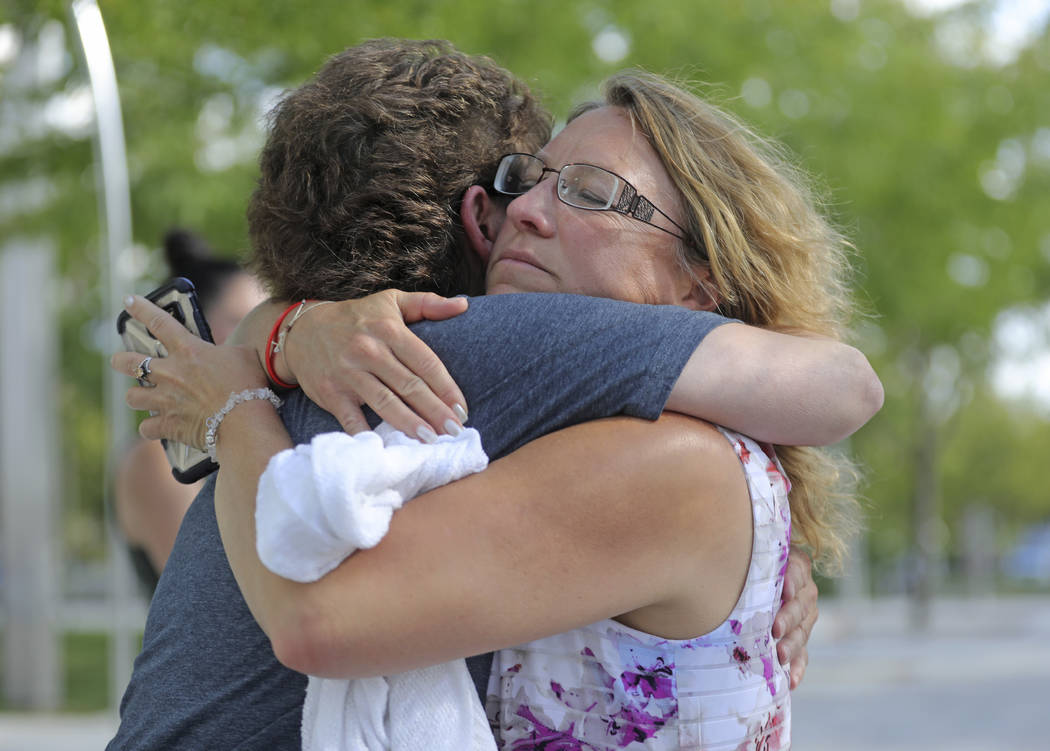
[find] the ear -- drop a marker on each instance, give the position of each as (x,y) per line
(698,291)
(482,218)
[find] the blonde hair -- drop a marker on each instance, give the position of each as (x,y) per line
(774,259)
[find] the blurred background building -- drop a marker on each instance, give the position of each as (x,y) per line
(928,124)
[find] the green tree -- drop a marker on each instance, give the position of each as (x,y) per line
(934,161)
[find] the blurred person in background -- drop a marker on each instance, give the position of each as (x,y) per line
(149,502)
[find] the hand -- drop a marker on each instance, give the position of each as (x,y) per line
(189,385)
(798,612)
(360,351)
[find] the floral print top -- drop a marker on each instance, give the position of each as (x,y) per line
(607,686)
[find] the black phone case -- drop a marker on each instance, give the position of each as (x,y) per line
(177,297)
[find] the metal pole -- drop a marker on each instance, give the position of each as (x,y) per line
(29,487)
(115,224)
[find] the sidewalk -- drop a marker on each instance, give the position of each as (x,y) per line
(979,680)
(47,732)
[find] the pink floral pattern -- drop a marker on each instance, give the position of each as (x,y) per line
(607,686)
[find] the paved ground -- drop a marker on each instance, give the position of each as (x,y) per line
(960,694)
(979,680)
(55,733)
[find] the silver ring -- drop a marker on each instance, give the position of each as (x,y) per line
(142,372)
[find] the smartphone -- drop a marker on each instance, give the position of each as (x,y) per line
(177,297)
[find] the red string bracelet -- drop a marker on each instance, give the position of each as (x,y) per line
(271,347)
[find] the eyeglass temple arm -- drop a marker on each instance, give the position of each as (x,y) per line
(640,207)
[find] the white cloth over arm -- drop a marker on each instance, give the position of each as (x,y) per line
(316,505)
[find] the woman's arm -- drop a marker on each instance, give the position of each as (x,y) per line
(775,387)
(785,389)
(508,555)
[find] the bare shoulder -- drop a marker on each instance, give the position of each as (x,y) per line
(677,458)
(695,450)
(675,487)
(705,487)
(704,505)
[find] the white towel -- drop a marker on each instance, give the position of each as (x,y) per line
(316,505)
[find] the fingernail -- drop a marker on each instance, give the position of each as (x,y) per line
(460,412)
(452,427)
(129,301)
(426,435)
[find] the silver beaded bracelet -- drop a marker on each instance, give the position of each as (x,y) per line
(237,397)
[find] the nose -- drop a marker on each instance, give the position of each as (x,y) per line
(533,210)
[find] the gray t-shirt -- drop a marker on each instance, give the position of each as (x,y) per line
(528,364)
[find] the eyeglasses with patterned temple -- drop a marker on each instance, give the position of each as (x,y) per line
(582,186)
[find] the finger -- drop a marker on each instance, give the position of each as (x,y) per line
(151,428)
(418,306)
(160,323)
(416,405)
(799,590)
(392,334)
(350,416)
(435,402)
(419,398)
(389,406)
(790,582)
(789,647)
(788,618)
(342,403)
(127,363)
(800,568)
(142,398)
(160,426)
(809,613)
(799,572)
(798,667)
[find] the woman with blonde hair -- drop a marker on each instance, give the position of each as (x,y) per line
(642,610)
(755,237)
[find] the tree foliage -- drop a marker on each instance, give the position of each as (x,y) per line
(936,163)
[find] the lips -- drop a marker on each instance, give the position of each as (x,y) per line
(518,257)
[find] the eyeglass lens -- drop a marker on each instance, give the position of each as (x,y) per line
(581,185)
(518,173)
(587,187)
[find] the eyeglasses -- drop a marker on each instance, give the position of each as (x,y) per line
(582,186)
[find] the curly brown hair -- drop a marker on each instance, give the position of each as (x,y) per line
(365,167)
